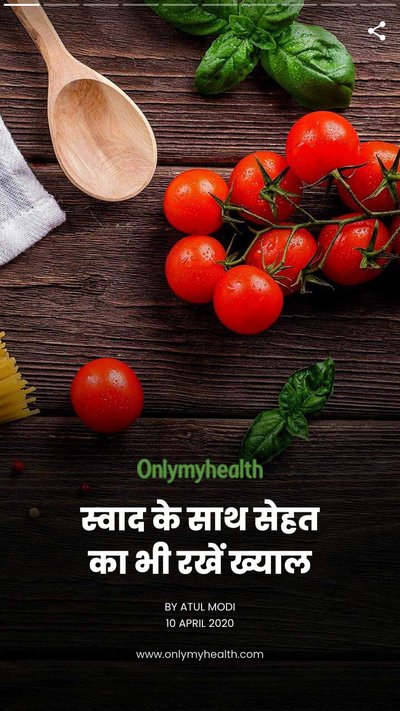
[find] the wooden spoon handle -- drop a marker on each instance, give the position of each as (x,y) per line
(36,22)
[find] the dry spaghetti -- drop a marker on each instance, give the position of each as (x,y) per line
(15,393)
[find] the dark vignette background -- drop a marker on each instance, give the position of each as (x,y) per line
(68,640)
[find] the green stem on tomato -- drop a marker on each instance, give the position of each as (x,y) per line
(339,178)
(312,222)
(383,250)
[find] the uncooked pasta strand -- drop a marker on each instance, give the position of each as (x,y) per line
(15,393)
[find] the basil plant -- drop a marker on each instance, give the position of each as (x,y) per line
(308,61)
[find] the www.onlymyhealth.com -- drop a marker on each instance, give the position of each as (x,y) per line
(197,473)
(202,655)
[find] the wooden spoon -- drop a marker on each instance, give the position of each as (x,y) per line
(102,140)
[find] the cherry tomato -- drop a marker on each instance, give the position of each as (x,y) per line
(247,300)
(269,251)
(343,264)
(192,268)
(107,395)
(319,142)
(366,179)
(394,227)
(246,183)
(188,202)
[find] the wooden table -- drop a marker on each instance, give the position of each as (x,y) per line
(96,288)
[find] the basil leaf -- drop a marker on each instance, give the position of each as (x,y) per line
(222,8)
(312,65)
(297,425)
(305,393)
(266,438)
(228,61)
(190,16)
(270,15)
(263,39)
(308,390)
(241,26)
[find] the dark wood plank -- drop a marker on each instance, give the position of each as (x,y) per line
(337,449)
(157,64)
(33,686)
(97,288)
(347,605)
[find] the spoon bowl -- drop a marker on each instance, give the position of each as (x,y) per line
(102,140)
(103,144)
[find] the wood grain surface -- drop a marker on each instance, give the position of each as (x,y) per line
(96,287)
(346,686)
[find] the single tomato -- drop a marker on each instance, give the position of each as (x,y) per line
(320,142)
(188,202)
(247,185)
(368,178)
(192,268)
(343,263)
(107,395)
(276,247)
(247,300)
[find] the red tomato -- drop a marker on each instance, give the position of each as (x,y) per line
(366,179)
(188,202)
(107,395)
(192,268)
(394,227)
(319,142)
(343,264)
(269,250)
(247,182)
(247,300)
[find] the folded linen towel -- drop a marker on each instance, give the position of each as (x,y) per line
(27,211)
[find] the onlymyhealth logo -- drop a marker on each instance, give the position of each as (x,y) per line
(196,473)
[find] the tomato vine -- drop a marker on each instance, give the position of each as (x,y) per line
(309,274)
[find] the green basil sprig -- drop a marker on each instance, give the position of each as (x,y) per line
(308,61)
(306,392)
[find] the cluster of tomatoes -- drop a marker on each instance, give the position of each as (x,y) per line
(264,190)
(248,291)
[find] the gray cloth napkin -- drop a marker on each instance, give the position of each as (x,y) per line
(27,211)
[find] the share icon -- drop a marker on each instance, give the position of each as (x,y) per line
(373,31)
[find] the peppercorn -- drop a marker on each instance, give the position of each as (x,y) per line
(17,467)
(84,489)
(34,512)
